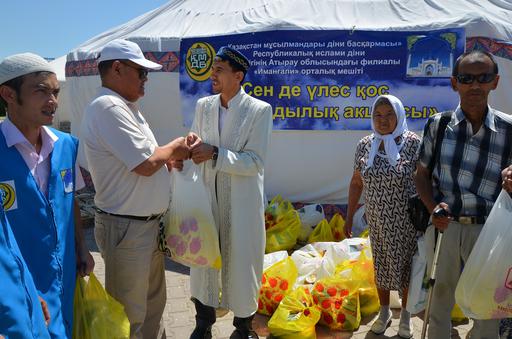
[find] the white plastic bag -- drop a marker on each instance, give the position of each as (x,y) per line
(271,258)
(359,224)
(190,234)
(417,289)
(310,216)
(319,260)
(315,261)
(484,290)
(354,246)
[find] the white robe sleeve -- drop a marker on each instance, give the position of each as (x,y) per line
(250,160)
(197,116)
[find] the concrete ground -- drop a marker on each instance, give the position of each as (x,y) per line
(179,312)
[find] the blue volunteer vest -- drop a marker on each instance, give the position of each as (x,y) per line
(44,227)
(21,315)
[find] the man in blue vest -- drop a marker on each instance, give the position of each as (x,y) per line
(38,177)
(21,315)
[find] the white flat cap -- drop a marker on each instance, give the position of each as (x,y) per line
(20,64)
(121,49)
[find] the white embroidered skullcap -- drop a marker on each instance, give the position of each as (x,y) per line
(21,64)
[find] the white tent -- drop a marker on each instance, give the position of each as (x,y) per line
(303,166)
(63,111)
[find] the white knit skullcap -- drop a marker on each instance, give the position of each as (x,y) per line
(20,64)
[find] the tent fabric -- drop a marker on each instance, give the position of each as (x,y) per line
(195,18)
(62,114)
(308,166)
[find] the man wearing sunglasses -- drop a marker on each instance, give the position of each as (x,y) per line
(130,174)
(467,176)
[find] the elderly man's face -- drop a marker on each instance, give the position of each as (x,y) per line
(474,68)
(224,78)
(131,78)
(36,103)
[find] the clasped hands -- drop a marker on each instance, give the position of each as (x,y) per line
(190,147)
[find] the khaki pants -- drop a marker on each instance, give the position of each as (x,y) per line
(134,271)
(458,241)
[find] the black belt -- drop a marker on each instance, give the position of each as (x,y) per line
(134,217)
(469,219)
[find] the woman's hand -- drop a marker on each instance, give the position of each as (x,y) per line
(348,229)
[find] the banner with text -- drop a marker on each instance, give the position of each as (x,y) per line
(328,80)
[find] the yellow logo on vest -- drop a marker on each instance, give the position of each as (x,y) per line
(8,195)
(199,61)
(67,180)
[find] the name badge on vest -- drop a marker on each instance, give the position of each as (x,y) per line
(67,180)
(8,195)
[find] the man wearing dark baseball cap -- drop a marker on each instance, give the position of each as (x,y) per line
(38,179)
(130,174)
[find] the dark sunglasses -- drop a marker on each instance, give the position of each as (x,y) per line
(484,78)
(143,72)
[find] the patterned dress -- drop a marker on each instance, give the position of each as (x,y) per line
(386,191)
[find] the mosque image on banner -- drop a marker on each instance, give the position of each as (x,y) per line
(430,56)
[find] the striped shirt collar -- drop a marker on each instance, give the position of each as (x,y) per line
(489,120)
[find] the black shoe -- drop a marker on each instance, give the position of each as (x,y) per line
(201,333)
(237,334)
(205,318)
(243,329)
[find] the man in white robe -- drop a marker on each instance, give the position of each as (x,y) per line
(229,138)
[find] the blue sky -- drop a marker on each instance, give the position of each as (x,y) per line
(51,28)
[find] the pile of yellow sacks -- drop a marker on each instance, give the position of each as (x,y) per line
(283,227)
(282,224)
(336,296)
(337,301)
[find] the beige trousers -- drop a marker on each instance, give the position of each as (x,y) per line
(134,271)
(457,243)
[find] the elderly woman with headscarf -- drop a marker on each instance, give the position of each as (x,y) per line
(385,162)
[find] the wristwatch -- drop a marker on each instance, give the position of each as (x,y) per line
(215,153)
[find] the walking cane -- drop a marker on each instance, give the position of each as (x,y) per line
(438,213)
(431,283)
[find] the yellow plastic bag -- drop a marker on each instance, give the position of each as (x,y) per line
(361,273)
(364,234)
(321,233)
(337,227)
(277,281)
(96,315)
(296,316)
(190,234)
(283,234)
(338,299)
(457,315)
(276,210)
